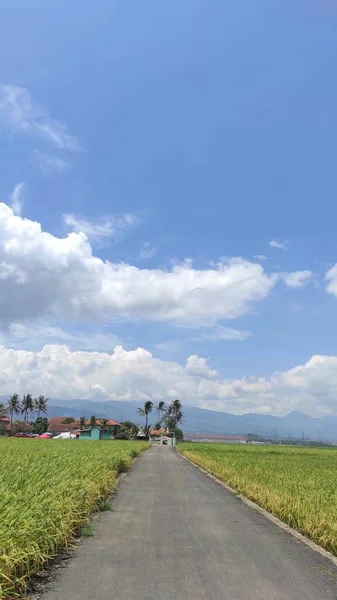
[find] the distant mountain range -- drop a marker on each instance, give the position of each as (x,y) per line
(197,420)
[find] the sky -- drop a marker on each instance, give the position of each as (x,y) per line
(168,202)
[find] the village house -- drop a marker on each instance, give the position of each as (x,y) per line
(5,425)
(59,425)
(96,433)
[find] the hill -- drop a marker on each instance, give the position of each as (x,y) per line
(197,420)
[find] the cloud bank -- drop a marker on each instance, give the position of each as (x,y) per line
(137,375)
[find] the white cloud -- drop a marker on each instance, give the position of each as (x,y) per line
(147,251)
(137,375)
(43,275)
(260,257)
(298,279)
(25,336)
(331,279)
(97,230)
(218,333)
(281,245)
(49,163)
(19,114)
(195,365)
(16,198)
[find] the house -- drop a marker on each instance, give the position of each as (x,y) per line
(159,436)
(58,425)
(95,433)
(5,425)
(157,432)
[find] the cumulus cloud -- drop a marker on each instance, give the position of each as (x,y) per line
(297,279)
(16,198)
(281,245)
(196,365)
(98,230)
(42,275)
(137,375)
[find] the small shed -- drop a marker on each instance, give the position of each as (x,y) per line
(93,433)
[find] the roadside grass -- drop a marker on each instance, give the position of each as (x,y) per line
(296,484)
(48,490)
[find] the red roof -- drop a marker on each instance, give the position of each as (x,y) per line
(57,424)
(5,419)
(157,431)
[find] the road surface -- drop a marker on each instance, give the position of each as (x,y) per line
(175,534)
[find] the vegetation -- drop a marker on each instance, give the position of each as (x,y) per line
(40,405)
(297,484)
(173,415)
(40,425)
(47,492)
(26,407)
(144,412)
(127,431)
(160,409)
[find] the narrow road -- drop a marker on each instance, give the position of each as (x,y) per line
(175,534)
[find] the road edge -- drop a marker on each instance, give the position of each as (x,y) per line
(296,534)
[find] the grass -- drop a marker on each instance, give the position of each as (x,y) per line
(297,484)
(48,490)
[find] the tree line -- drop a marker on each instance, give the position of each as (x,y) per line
(26,407)
(169,416)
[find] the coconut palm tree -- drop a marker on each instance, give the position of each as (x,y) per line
(14,407)
(27,406)
(173,415)
(3,410)
(177,412)
(40,405)
(93,421)
(103,423)
(160,408)
(144,412)
(82,422)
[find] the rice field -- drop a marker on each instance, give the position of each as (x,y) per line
(48,490)
(297,484)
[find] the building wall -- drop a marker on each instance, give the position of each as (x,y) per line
(95,433)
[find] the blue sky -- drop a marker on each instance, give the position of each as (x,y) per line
(172,131)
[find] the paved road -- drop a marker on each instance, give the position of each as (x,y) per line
(177,535)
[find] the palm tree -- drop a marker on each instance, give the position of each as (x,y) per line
(144,412)
(2,410)
(104,423)
(14,407)
(40,405)
(82,422)
(160,408)
(27,406)
(93,421)
(173,415)
(177,412)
